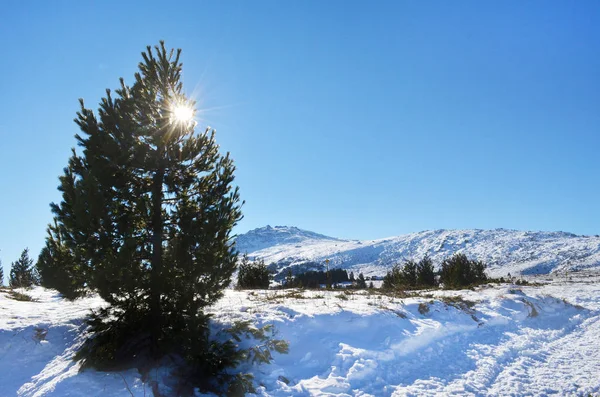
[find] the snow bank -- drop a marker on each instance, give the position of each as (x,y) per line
(508,343)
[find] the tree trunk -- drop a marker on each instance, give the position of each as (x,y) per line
(157,257)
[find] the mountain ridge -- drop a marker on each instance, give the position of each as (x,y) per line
(504,250)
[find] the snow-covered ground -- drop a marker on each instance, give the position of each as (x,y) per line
(501,340)
(504,251)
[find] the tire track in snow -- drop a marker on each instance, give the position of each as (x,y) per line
(568,365)
(526,353)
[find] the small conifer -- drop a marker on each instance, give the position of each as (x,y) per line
(21,272)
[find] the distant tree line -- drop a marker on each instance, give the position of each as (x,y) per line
(314,279)
(456,272)
(257,275)
(411,275)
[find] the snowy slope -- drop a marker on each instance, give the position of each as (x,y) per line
(504,251)
(510,341)
(268,236)
(37,343)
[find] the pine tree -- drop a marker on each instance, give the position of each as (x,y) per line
(21,272)
(459,271)
(145,221)
(393,278)
(1,275)
(253,275)
(56,266)
(409,273)
(425,272)
(289,279)
(361,282)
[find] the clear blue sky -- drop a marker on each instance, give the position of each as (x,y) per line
(353,119)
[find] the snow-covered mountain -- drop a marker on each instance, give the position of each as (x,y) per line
(504,251)
(266,237)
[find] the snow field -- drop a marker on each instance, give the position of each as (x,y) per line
(502,340)
(511,342)
(37,343)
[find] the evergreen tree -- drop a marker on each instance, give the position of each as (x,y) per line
(253,275)
(459,271)
(56,266)
(314,279)
(401,277)
(409,273)
(21,272)
(351,278)
(393,279)
(1,275)
(361,282)
(145,221)
(425,272)
(289,279)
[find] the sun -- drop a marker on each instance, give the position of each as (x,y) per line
(183,113)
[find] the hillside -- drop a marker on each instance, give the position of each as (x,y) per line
(504,251)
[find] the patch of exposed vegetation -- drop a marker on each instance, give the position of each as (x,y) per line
(18,296)
(343,297)
(533,311)
(40,334)
(458,301)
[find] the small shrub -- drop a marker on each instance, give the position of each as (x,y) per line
(40,334)
(500,280)
(423,308)
(20,297)
(459,302)
(533,312)
(283,379)
(291,294)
